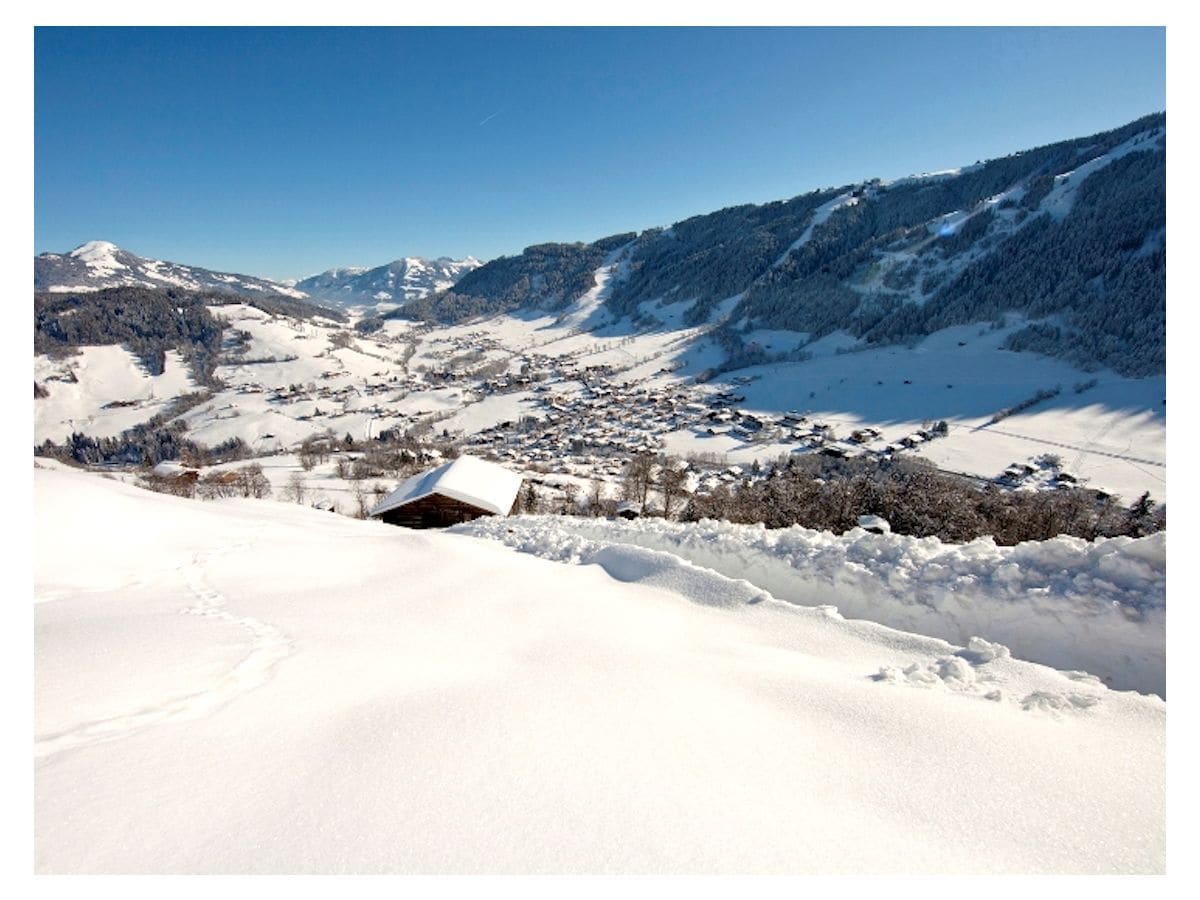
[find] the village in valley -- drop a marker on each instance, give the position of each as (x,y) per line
(335,415)
(569,411)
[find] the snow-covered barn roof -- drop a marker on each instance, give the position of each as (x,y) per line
(466,479)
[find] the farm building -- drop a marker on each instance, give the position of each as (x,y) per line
(459,491)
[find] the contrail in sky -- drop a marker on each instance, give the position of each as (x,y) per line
(489,118)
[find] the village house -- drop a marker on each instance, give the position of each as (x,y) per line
(458,491)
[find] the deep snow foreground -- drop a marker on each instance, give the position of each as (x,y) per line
(246,686)
(1095,606)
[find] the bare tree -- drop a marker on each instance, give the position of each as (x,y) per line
(638,476)
(527,500)
(216,484)
(315,449)
(671,479)
(595,505)
(295,489)
(570,500)
(252,482)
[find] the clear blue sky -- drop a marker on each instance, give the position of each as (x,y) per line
(283,152)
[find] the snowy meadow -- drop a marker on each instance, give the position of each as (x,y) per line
(256,687)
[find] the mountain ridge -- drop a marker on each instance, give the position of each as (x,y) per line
(397,282)
(1069,235)
(99,264)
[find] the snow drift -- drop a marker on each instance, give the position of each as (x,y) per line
(243,686)
(1098,607)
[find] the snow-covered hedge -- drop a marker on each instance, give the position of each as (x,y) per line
(1099,607)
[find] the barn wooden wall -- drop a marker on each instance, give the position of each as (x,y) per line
(434,511)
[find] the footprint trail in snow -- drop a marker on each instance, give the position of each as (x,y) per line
(269,647)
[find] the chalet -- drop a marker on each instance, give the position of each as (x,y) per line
(751,423)
(170,470)
(458,491)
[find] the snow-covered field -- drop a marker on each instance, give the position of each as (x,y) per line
(244,686)
(84,388)
(1110,433)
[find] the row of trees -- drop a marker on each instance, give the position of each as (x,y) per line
(829,494)
(918,500)
(393,454)
(161,438)
(248,481)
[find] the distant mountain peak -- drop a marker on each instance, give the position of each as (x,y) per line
(95,250)
(397,282)
(95,265)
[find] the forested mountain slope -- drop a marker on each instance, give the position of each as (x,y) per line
(149,323)
(1070,236)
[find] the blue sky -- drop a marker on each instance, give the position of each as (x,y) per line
(283,152)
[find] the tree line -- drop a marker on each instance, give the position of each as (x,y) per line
(918,500)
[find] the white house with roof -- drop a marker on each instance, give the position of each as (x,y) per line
(458,491)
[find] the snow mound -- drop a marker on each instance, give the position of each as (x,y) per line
(637,564)
(1098,607)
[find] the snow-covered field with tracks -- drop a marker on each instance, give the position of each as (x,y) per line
(255,687)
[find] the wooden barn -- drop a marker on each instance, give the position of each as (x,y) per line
(459,491)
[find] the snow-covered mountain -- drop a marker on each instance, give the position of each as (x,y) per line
(397,282)
(1070,236)
(100,264)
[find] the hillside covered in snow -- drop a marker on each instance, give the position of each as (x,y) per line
(100,264)
(576,400)
(389,285)
(1069,237)
(256,687)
